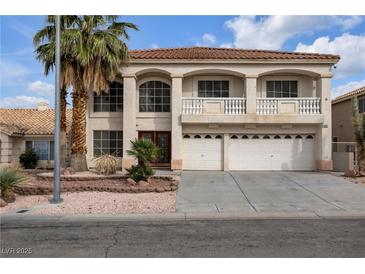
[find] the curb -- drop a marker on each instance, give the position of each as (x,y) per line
(177,216)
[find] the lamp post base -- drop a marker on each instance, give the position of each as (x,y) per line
(55,201)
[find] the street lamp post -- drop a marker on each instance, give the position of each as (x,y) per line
(57,129)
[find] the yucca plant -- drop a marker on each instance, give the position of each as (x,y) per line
(106,164)
(358,122)
(144,151)
(9,177)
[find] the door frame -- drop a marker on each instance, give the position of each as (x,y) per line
(154,139)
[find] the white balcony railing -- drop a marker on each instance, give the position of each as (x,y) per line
(227,106)
(302,106)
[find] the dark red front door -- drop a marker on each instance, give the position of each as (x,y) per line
(162,139)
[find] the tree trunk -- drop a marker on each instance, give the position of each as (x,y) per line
(78,147)
(63,127)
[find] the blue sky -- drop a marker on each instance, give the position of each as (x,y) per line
(23,84)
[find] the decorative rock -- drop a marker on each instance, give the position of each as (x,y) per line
(350,173)
(130,181)
(173,188)
(174,183)
(160,189)
(143,183)
(2,203)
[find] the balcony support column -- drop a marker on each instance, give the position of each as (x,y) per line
(324,131)
(129,117)
(176,127)
(251,89)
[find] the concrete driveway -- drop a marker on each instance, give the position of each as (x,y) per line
(245,192)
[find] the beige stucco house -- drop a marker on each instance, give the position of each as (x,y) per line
(218,109)
(342,107)
(28,128)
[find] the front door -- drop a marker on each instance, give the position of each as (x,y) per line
(162,139)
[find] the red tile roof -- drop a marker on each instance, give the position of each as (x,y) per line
(207,53)
(349,95)
(29,121)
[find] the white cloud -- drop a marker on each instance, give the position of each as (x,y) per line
(350,47)
(21,101)
(271,32)
(40,88)
(154,46)
(12,72)
(342,89)
(226,45)
(209,38)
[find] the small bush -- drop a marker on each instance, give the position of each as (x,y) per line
(9,178)
(29,159)
(138,173)
(106,164)
(145,151)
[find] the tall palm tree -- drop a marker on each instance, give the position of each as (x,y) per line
(94,49)
(44,41)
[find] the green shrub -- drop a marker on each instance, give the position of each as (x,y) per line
(10,177)
(144,151)
(139,173)
(29,159)
(106,164)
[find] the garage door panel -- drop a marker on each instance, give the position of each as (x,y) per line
(271,154)
(202,154)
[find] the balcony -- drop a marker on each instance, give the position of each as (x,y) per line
(213,106)
(231,110)
(276,106)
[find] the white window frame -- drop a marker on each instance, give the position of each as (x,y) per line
(48,142)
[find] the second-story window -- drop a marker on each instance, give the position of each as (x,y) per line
(213,88)
(154,96)
(282,89)
(111,101)
(361,104)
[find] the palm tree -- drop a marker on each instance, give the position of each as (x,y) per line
(94,49)
(358,122)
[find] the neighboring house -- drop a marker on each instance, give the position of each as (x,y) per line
(28,128)
(219,109)
(343,135)
(342,107)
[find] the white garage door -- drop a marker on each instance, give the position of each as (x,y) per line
(271,152)
(202,152)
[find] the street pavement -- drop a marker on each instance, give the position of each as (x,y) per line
(48,237)
(258,192)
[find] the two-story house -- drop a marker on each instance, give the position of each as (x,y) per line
(219,109)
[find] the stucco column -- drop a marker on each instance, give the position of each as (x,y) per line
(324,131)
(250,82)
(176,127)
(129,117)
(225,152)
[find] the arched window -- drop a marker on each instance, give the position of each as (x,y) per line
(277,137)
(154,96)
(186,136)
(197,137)
(255,137)
(309,137)
(111,101)
(234,137)
(287,137)
(266,137)
(218,137)
(208,137)
(298,137)
(244,137)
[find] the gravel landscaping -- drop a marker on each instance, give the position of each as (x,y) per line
(96,203)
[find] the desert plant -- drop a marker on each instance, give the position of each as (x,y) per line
(358,122)
(28,159)
(144,151)
(106,164)
(9,177)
